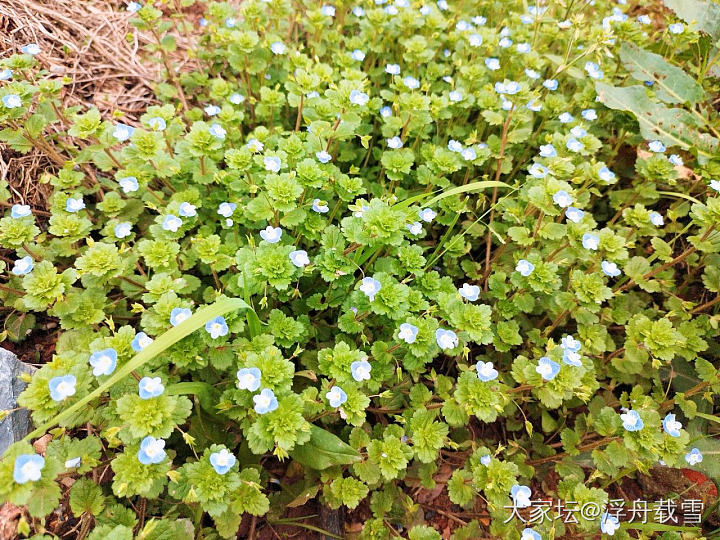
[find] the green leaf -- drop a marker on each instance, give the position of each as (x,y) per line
(324,450)
(86,498)
(169,338)
(671,126)
(672,84)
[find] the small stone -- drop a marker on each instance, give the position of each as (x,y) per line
(17,424)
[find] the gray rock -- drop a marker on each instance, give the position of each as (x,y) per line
(17,424)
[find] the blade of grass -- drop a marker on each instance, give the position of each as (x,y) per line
(169,338)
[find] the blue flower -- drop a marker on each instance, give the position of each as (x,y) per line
(249,379)
(278,47)
(572,358)
(28,468)
(271,234)
(486,460)
(411,82)
(589,114)
(394,142)
(443,5)
(20,211)
(11,101)
(479,20)
(656,219)
(656,146)
(486,371)
(226,209)
(122,132)
(530,534)
(533,106)
(631,421)
(133,7)
(171,223)
(178,315)
(23,266)
(574,214)
(358,98)
(187,210)
(550,84)
(547,150)
(265,401)
(455,146)
(62,387)
(676,160)
(606,175)
(222,461)
(609,524)
(74,205)
(392,69)
(6,74)
(122,229)
(140,341)
(505,42)
(152,451)
(216,327)
(590,241)
(358,11)
(569,343)
(323,156)
(370,287)
(236,99)
(676,28)
(216,130)
(525,267)
(671,426)
(547,368)
(523,48)
(574,145)
(493,64)
(446,339)
(408,332)
(693,457)
(578,131)
(386,111)
(230,22)
(644,19)
(157,123)
(255,146)
(531,73)
(336,396)
(415,228)
(103,362)
(520,496)
(150,387)
(328,11)
(427,215)
(360,370)
(319,206)
(272,163)
(593,70)
(128,184)
(475,40)
(562,198)
(610,269)
(31,49)
(469,292)
(357,55)
(538,170)
(715,185)
(299,258)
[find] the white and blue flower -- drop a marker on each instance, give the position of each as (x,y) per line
(408,332)
(493,64)
(469,292)
(271,234)
(359,98)
(156,123)
(171,223)
(538,170)
(103,362)
(671,426)
(74,205)
(370,287)
(574,214)
(320,206)
(23,266)
(222,461)
(323,156)
(446,339)
(272,163)
(122,132)
(610,269)
(217,327)
(547,368)
(590,241)
(562,198)
(216,130)
(530,534)
(609,524)
(150,387)
(278,47)
(31,49)
(129,184)
(525,267)
(152,451)
(179,315)
(28,468)
(360,370)
(249,378)
(631,421)
(299,258)
(11,101)
(187,210)
(226,209)
(411,82)
(521,496)
(19,211)
(550,84)
(693,457)
(657,219)
(122,229)
(606,175)
(265,401)
(140,341)
(336,396)
(486,371)
(62,387)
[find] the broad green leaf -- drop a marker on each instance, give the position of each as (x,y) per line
(704,13)
(674,127)
(324,450)
(672,84)
(169,338)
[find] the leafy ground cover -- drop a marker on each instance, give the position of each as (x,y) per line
(356,254)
